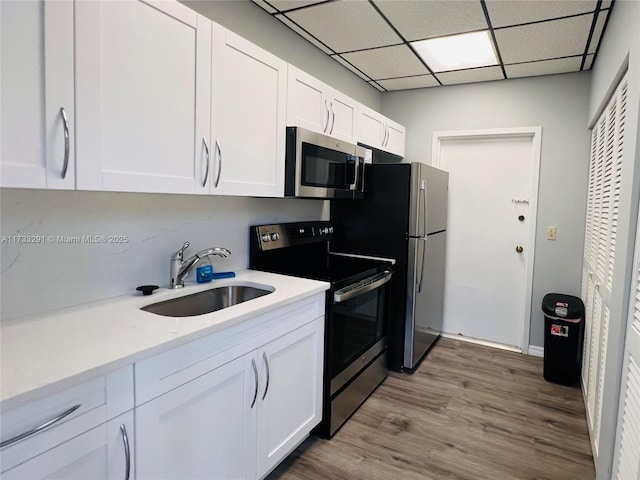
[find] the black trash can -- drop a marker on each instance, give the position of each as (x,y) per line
(563,337)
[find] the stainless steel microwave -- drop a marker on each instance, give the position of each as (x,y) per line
(318,166)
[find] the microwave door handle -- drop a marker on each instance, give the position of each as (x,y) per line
(365,287)
(356,172)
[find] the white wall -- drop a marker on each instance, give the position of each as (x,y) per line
(39,277)
(559,104)
(251,22)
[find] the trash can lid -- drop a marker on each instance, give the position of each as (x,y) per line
(563,306)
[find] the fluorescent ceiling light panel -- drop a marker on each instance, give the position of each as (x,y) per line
(457,52)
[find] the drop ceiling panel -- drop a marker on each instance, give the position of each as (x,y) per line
(346,64)
(417,19)
(533,37)
(545,67)
(471,76)
(597,32)
(346,26)
(284,5)
(406,83)
(589,62)
(540,41)
(510,12)
(304,34)
(388,62)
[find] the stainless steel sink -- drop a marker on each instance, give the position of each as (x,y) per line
(206,301)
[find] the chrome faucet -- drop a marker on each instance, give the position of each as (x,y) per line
(180,268)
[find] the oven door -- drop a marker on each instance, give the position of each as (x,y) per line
(358,327)
(323,167)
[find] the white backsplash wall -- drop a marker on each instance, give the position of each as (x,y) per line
(55,273)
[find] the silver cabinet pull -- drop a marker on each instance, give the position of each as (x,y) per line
(333,117)
(206,173)
(65,124)
(39,428)
(386,135)
(255,373)
(326,122)
(219,164)
(266,363)
(127,451)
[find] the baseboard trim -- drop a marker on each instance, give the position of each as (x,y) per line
(536,351)
(485,343)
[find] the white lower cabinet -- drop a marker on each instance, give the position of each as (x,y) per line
(203,429)
(100,453)
(243,416)
(85,432)
(291,405)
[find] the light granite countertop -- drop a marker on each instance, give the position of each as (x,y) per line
(44,353)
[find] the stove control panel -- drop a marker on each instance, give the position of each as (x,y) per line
(272,237)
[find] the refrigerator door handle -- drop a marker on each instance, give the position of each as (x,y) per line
(424,251)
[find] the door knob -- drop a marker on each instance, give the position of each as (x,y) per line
(519,249)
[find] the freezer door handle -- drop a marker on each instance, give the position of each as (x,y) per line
(424,250)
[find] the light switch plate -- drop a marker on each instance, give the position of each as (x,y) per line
(551,232)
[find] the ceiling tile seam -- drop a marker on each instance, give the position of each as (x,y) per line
(367,78)
(594,21)
(302,7)
(374,82)
(308,33)
(493,36)
(393,27)
(544,59)
(604,28)
(536,22)
(371,48)
(446,71)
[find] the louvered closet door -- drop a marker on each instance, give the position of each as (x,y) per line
(627,461)
(603,198)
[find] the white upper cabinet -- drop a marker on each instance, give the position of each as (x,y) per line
(143,80)
(313,105)
(377,131)
(249,113)
(36,116)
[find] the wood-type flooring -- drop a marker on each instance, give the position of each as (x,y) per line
(468,412)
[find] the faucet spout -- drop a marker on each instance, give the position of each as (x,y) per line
(180,268)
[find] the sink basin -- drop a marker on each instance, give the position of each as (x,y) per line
(206,301)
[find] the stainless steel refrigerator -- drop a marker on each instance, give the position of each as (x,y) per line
(403,216)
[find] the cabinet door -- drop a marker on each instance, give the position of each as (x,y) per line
(370,127)
(249,112)
(307,102)
(100,453)
(142,96)
(343,117)
(36,61)
(291,393)
(203,429)
(395,139)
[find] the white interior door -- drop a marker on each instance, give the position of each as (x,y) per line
(492,199)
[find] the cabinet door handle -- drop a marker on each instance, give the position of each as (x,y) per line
(266,363)
(127,451)
(326,122)
(39,428)
(255,374)
(386,135)
(65,125)
(333,117)
(219,164)
(206,173)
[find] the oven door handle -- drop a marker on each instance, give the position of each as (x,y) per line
(362,287)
